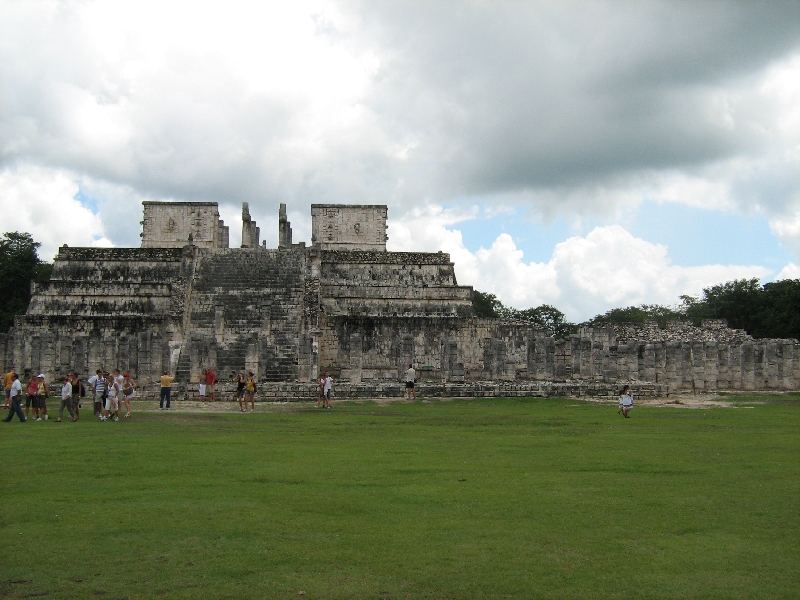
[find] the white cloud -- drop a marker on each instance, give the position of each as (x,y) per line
(607,268)
(790,271)
(42,202)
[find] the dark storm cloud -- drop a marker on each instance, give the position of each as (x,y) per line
(509,96)
(466,100)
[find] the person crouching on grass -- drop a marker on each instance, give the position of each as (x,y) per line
(625,401)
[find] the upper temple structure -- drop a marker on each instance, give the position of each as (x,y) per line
(185,300)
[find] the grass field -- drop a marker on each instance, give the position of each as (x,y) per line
(514,498)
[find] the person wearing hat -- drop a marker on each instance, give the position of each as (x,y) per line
(42,393)
(15,399)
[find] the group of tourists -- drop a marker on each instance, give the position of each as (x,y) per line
(109,391)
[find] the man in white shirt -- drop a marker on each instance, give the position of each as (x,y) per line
(66,400)
(326,390)
(411,379)
(15,400)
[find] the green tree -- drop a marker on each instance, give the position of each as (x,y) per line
(19,265)
(638,314)
(547,316)
(486,305)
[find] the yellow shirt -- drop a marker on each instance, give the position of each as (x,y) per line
(9,380)
(166,381)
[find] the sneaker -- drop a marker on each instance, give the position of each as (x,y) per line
(39,419)
(160,408)
(46,417)
(116,419)
(252,410)
(102,418)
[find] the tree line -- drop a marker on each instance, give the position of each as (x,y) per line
(771,310)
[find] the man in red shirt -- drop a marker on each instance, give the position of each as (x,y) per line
(211,379)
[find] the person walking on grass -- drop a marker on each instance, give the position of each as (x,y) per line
(98,384)
(326,390)
(250,389)
(112,400)
(166,389)
(411,380)
(15,400)
(8,381)
(625,401)
(41,395)
(66,400)
(241,381)
(77,392)
(128,390)
(32,400)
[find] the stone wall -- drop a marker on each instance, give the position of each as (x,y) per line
(170,224)
(363,313)
(348,227)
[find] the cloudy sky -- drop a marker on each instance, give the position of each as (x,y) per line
(582,154)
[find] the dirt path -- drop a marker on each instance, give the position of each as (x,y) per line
(189,406)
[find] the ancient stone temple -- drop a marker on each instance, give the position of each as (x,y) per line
(184,300)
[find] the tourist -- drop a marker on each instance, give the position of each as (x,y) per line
(119,380)
(8,380)
(201,390)
(211,380)
(41,395)
(411,379)
(166,389)
(66,400)
(98,384)
(625,401)
(240,380)
(321,395)
(128,389)
(327,389)
(112,400)
(32,400)
(250,389)
(15,400)
(77,392)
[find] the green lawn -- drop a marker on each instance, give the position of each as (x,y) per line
(515,498)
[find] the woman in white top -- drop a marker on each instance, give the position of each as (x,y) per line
(625,401)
